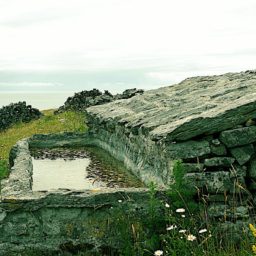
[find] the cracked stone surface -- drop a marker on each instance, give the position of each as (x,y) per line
(197,105)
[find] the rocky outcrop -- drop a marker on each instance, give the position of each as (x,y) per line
(17,112)
(207,122)
(82,100)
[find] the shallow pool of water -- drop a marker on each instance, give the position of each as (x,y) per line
(83,168)
(59,173)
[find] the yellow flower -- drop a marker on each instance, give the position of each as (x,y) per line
(254,249)
(253,230)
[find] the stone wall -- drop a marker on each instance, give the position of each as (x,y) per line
(207,122)
(63,221)
(17,112)
(84,99)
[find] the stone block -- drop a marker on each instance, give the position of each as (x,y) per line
(217,148)
(238,137)
(237,171)
(214,182)
(242,154)
(219,161)
(188,149)
(225,211)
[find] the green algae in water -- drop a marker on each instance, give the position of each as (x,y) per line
(113,168)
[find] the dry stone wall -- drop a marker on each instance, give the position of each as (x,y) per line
(84,99)
(207,122)
(64,222)
(17,112)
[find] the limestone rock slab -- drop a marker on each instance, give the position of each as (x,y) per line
(219,161)
(214,182)
(196,106)
(188,149)
(238,137)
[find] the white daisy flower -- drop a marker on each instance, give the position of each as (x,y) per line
(180,210)
(191,237)
(158,253)
(171,227)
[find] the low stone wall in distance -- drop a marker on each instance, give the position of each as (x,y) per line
(17,112)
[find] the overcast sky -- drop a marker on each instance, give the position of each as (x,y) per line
(70,45)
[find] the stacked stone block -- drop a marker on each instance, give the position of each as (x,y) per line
(207,122)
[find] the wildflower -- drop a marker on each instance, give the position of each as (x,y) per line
(253,229)
(167,205)
(180,210)
(171,227)
(120,201)
(201,231)
(183,215)
(182,231)
(254,249)
(191,238)
(158,253)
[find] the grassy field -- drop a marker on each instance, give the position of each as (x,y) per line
(49,123)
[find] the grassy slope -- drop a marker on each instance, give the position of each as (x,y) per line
(49,123)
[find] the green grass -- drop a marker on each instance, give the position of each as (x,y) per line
(49,123)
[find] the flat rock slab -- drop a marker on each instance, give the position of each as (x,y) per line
(188,149)
(238,137)
(242,154)
(219,161)
(196,106)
